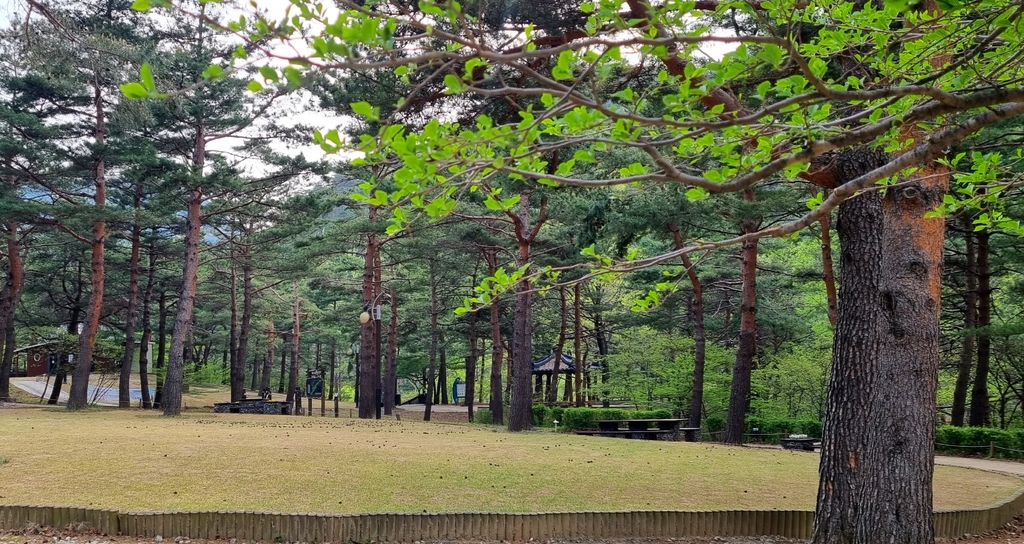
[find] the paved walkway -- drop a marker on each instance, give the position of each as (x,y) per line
(994,465)
(104,395)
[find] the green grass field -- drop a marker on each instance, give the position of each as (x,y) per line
(143,461)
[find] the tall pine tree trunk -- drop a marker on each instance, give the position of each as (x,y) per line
(268,363)
(520,417)
(739,395)
(559,347)
(147,329)
(433,345)
(980,409)
(9,296)
(247,296)
(878,437)
(391,368)
(161,351)
(124,399)
(577,352)
(293,371)
(78,398)
(471,361)
(367,333)
(236,372)
(495,402)
(699,336)
(963,376)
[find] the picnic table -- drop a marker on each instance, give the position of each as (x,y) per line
(644,429)
(799,443)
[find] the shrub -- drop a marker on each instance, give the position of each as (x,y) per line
(772,430)
(483,416)
(558,414)
(714,424)
(541,415)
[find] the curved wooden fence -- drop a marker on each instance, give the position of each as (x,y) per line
(273,527)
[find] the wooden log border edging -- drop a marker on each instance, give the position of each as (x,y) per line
(479,526)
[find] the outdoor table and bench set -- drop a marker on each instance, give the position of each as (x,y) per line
(644,429)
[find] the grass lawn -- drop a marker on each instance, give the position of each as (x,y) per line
(143,461)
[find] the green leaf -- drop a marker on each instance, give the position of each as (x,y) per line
(141,5)
(134,90)
(212,72)
(147,77)
(454,84)
(366,110)
(255,86)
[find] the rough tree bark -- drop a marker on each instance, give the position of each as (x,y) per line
(878,436)
(236,368)
(699,335)
(963,377)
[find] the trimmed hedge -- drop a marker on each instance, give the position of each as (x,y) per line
(573,419)
(1008,443)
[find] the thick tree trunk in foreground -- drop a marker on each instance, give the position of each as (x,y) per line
(963,376)
(877,442)
(980,409)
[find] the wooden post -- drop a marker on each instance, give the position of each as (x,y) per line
(322,401)
(309,406)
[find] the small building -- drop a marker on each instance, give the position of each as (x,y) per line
(544,369)
(34,360)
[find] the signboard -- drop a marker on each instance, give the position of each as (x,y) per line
(460,390)
(38,363)
(314,387)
